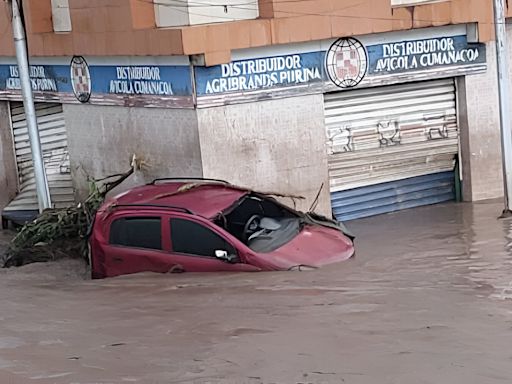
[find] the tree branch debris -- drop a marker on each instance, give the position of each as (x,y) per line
(60,233)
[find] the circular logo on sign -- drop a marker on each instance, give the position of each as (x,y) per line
(346,62)
(80,79)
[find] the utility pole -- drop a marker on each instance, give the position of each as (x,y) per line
(20,43)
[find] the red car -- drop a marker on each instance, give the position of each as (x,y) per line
(198,225)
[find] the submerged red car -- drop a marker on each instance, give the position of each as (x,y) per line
(198,225)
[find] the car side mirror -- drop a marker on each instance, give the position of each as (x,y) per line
(224,256)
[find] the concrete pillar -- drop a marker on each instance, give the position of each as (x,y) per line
(480,133)
(273,145)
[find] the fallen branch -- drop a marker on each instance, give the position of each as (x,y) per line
(187,187)
(58,233)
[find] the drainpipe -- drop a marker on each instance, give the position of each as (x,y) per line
(20,43)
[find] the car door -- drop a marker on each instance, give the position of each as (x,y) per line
(135,244)
(194,244)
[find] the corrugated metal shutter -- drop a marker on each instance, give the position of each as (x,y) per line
(52,131)
(385,134)
(393,196)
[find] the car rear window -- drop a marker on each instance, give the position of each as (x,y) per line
(137,232)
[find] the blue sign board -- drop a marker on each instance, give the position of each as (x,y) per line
(254,74)
(44,78)
(104,81)
(171,85)
(423,54)
(309,68)
(141,80)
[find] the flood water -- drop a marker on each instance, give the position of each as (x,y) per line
(427,299)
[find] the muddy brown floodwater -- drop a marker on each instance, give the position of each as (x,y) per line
(428,299)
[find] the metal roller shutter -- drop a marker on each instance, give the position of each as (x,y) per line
(381,136)
(52,131)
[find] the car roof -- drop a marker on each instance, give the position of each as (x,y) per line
(203,198)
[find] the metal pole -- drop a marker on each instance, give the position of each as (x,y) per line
(20,43)
(504,96)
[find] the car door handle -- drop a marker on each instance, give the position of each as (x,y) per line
(118,259)
(177,269)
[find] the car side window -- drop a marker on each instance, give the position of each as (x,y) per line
(192,238)
(137,232)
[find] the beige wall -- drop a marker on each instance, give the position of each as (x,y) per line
(480,133)
(102,140)
(276,145)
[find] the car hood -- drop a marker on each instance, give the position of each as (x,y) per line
(314,246)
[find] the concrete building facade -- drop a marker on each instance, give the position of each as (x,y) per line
(379,105)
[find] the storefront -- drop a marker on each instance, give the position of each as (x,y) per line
(390,110)
(394,148)
(58,84)
(371,121)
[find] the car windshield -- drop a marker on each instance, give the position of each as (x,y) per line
(261,223)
